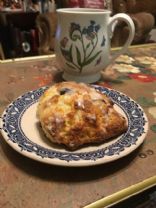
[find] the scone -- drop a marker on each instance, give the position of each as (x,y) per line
(75,114)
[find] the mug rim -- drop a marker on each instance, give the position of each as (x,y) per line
(83,11)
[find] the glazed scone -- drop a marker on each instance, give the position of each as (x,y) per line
(75,114)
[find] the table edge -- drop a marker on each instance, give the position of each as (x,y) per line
(123,194)
(30,58)
(40,57)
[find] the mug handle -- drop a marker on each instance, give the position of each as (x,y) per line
(129,21)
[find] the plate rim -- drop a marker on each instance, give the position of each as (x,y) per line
(51,161)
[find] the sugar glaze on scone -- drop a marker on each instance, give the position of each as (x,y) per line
(75,114)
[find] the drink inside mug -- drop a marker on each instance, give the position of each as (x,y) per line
(82,10)
(82,42)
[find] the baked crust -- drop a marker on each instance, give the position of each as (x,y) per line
(75,114)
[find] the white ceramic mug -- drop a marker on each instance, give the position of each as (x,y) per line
(82,42)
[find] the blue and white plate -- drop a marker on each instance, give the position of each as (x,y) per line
(21,130)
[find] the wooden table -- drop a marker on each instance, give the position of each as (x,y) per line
(28,183)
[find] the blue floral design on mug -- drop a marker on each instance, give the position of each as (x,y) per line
(83,42)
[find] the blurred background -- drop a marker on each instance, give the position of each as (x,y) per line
(27,27)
